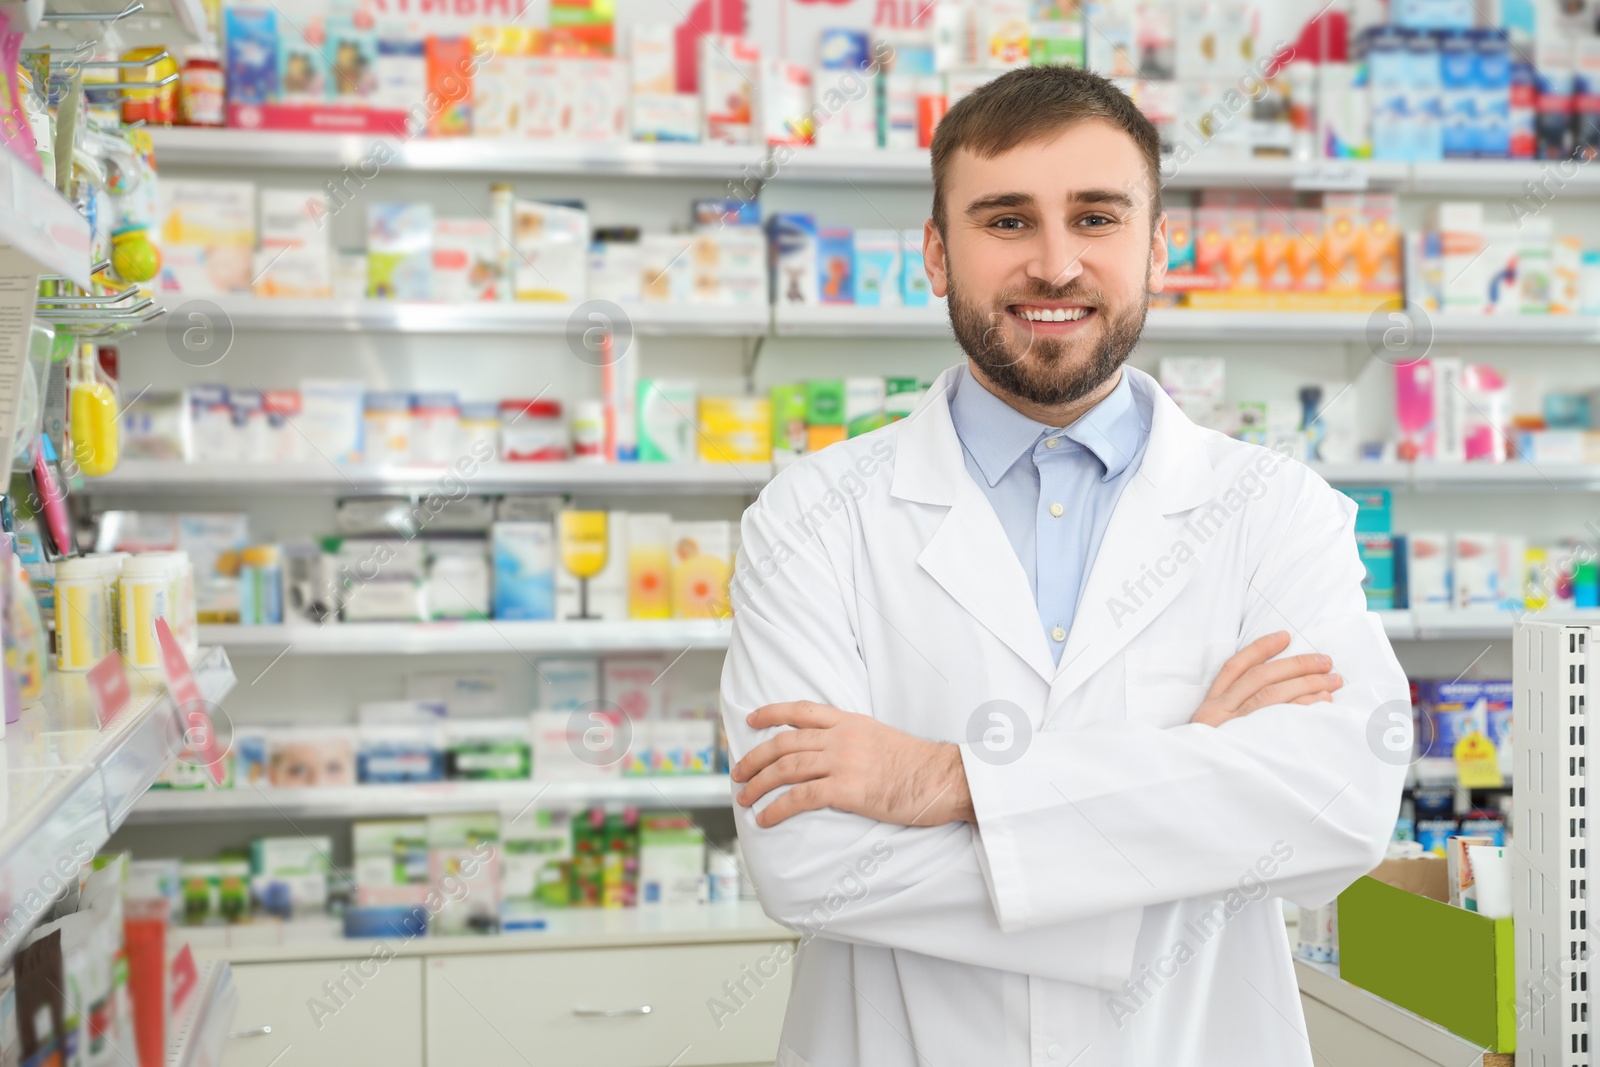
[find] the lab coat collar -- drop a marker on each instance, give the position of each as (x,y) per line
(969,556)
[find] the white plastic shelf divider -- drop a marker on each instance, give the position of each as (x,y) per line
(425,798)
(423,638)
(310,315)
(1184,324)
(284,150)
(69,785)
(199,1036)
(40,223)
(161,476)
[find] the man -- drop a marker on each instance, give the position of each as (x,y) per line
(1011,747)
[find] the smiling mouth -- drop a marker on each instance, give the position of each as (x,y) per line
(1051,312)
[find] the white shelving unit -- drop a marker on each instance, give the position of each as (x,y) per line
(540,319)
(199,1030)
(40,225)
(69,784)
(277,150)
(210,479)
(428,798)
(440,638)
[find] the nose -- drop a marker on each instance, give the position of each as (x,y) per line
(1059,254)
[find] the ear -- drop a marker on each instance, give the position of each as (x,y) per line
(1158,254)
(933,260)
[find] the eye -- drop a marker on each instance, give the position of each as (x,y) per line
(1010,223)
(1098,220)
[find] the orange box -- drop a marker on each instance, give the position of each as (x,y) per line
(1306,273)
(1378,256)
(1210,243)
(1239,251)
(1344,230)
(820,437)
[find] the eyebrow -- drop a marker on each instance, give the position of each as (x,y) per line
(1082,196)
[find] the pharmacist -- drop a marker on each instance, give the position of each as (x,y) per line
(1007,752)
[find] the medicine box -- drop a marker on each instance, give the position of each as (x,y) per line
(524,570)
(629,684)
(793,239)
(649,565)
(666,413)
(1474,571)
(1427,570)
(567,684)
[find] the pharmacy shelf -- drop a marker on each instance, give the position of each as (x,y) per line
(69,784)
(1183,324)
(564,929)
(160,476)
(159,22)
(449,638)
(282,150)
(1355,1026)
(748,165)
(1438,624)
(1464,477)
(199,1029)
(246,313)
(39,225)
(377,801)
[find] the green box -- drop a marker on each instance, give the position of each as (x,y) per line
(1449,965)
(825,402)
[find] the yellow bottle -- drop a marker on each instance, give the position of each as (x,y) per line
(96,443)
(582,536)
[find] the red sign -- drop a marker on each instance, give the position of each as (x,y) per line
(185,976)
(199,734)
(319,119)
(108,688)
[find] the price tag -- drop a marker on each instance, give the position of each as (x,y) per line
(1477,763)
(108,688)
(1330,176)
(199,734)
(185,976)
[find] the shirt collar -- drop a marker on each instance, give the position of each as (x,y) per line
(996,434)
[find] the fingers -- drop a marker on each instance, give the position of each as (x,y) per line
(764,754)
(1294,689)
(1254,654)
(802,713)
(1263,675)
(807,796)
(787,770)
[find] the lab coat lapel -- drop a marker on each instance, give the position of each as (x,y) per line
(968,554)
(1147,556)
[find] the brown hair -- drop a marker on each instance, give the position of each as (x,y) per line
(1032,104)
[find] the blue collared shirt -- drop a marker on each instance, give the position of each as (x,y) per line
(1053,489)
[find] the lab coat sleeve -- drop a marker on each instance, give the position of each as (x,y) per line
(1302,798)
(841,876)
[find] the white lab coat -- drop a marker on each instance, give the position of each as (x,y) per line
(1116,903)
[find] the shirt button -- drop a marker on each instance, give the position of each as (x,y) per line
(1054,1052)
(1056,510)
(1058,634)
(1052,442)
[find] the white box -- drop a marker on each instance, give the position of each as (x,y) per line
(560,753)
(730,69)
(631,684)
(1474,571)
(652,59)
(785,102)
(599,100)
(666,268)
(1428,570)
(464,694)
(331,417)
(546,97)
(567,684)
(1511,570)
(466,260)
(1464,275)
(666,117)
(552,245)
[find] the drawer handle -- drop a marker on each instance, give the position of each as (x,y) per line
(254,1031)
(610,1013)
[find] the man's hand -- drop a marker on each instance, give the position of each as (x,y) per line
(849,762)
(1248,681)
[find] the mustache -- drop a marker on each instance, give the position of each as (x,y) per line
(1073,294)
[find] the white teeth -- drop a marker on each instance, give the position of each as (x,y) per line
(1054,314)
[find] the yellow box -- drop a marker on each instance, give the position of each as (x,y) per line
(735,429)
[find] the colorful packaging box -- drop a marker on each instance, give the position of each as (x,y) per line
(666,414)
(487,750)
(466,260)
(876,277)
(568,684)
(735,429)
(836,265)
(629,684)
(702,556)
(1474,571)
(730,70)
(400,251)
(788,412)
(649,565)
(795,274)
(524,570)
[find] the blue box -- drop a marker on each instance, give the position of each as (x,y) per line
(1458,79)
(1492,68)
(725,211)
(792,241)
(524,570)
(1424,96)
(840,49)
(1454,709)
(1373,510)
(252,36)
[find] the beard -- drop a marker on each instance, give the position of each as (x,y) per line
(1048,371)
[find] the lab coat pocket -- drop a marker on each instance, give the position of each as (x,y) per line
(1166,683)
